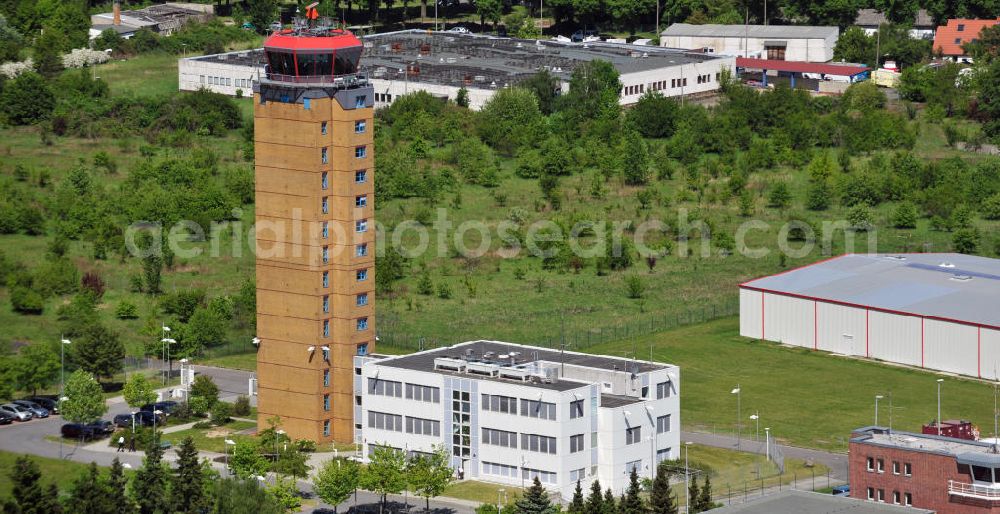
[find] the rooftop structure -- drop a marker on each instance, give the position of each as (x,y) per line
(935,311)
(793,501)
(776,42)
(441,63)
(926,471)
(949,38)
(160,18)
(507,413)
(922,26)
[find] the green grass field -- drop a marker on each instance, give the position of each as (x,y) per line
(210,439)
(60,472)
(807,398)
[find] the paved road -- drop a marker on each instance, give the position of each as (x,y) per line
(837,462)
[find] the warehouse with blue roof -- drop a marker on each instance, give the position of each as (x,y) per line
(938,311)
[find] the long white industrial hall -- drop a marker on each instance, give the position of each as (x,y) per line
(936,311)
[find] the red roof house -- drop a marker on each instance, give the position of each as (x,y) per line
(948,39)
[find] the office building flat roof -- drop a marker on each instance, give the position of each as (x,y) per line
(752,31)
(977,453)
(805,502)
(947,286)
(475,351)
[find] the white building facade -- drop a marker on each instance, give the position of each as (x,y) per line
(933,311)
(560,416)
(778,42)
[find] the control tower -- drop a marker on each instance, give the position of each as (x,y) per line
(315,262)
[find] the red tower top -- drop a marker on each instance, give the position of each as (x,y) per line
(311,55)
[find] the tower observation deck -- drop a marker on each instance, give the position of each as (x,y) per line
(315,262)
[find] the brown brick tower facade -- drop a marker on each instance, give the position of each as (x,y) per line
(315,232)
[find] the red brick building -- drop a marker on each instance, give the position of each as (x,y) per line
(931,472)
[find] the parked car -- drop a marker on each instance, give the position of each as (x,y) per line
(19,413)
(101,427)
(842,490)
(166,407)
(37,410)
(458,29)
(5,419)
(77,431)
(580,35)
(142,419)
(49,403)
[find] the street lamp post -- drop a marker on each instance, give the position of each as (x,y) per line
(877,398)
(277,433)
(62,368)
(163,352)
(767,443)
(739,415)
(687,475)
(939,382)
(166,343)
(755,417)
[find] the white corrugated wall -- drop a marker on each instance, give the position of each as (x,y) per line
(788,320)
(951,347)
(894,338)
(750,313)
(989,344)
(841,329)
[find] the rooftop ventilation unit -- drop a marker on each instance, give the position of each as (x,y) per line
(961,278)
(450,363)
(895,257)
(482,368)
(947,264)
(515,373)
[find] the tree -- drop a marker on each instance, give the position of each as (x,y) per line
(576,505)
(72,21)
(90,494)
(661,498)
(905,215)
(510,119)
(609,506)
(261,13)
(37,367)
(243,497)
(99,350)
(966,240)
(26,99)
(246,460)
(595,500)
(535,500)
(117,484)
(149,487)
(84,398)
(25,300)
(336,481)
(654,115)
(705,502)
(430,475)
(462,98)
(546,88)
(183,303)
(385,473)
(152,269)
(632,501)
(138,391)
(693,494)
(780,196)
(204,387)
(27,494)
(594,89)
(635,159)
(860,217)
(290,461)
(187,488)
(489,10)
(48,53)
(205,328)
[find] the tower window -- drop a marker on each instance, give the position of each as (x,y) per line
(361,250)
(326,279)
(360,126)
(360,152)
(362,275)
(305,103)
(326,328)
(326,378)
(322,128)
(362,323)
(362,299)
(360,176)
(326,304)
(326,230)
(326,428)
(326,402)
(326,205)
(361,226)
(360,101)
(361,200)
(326,254)
(363,349)
(326,157)
(325,180)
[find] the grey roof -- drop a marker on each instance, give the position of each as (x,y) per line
(121,29)
(804,502)
(949,286)
(874,18)
(964,450)
(753,31)
(424,361)
(611,401)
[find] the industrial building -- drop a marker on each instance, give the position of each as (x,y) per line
(508,413)
(794,501)
(315,234)
(775,42)
(933,311)
(442,63)
(813,76)
(870,20)
(164,19)
(938,473)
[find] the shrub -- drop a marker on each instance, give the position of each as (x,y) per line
(242,406)
(202,425)
(305,445)
(444,291)
(199,405)
(26,301)
(634,286)
(991,207)
(965,240)
(905,216)
(221,413)
(27,99)
(204,387)
(126,310)
(860,217)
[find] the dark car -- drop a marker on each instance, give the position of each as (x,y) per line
(77,431)
(6,419)
(48,403)
(166,407)
(101,427)
(582,34)
(142,419)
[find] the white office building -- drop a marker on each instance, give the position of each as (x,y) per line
(508,413)
(775,42)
